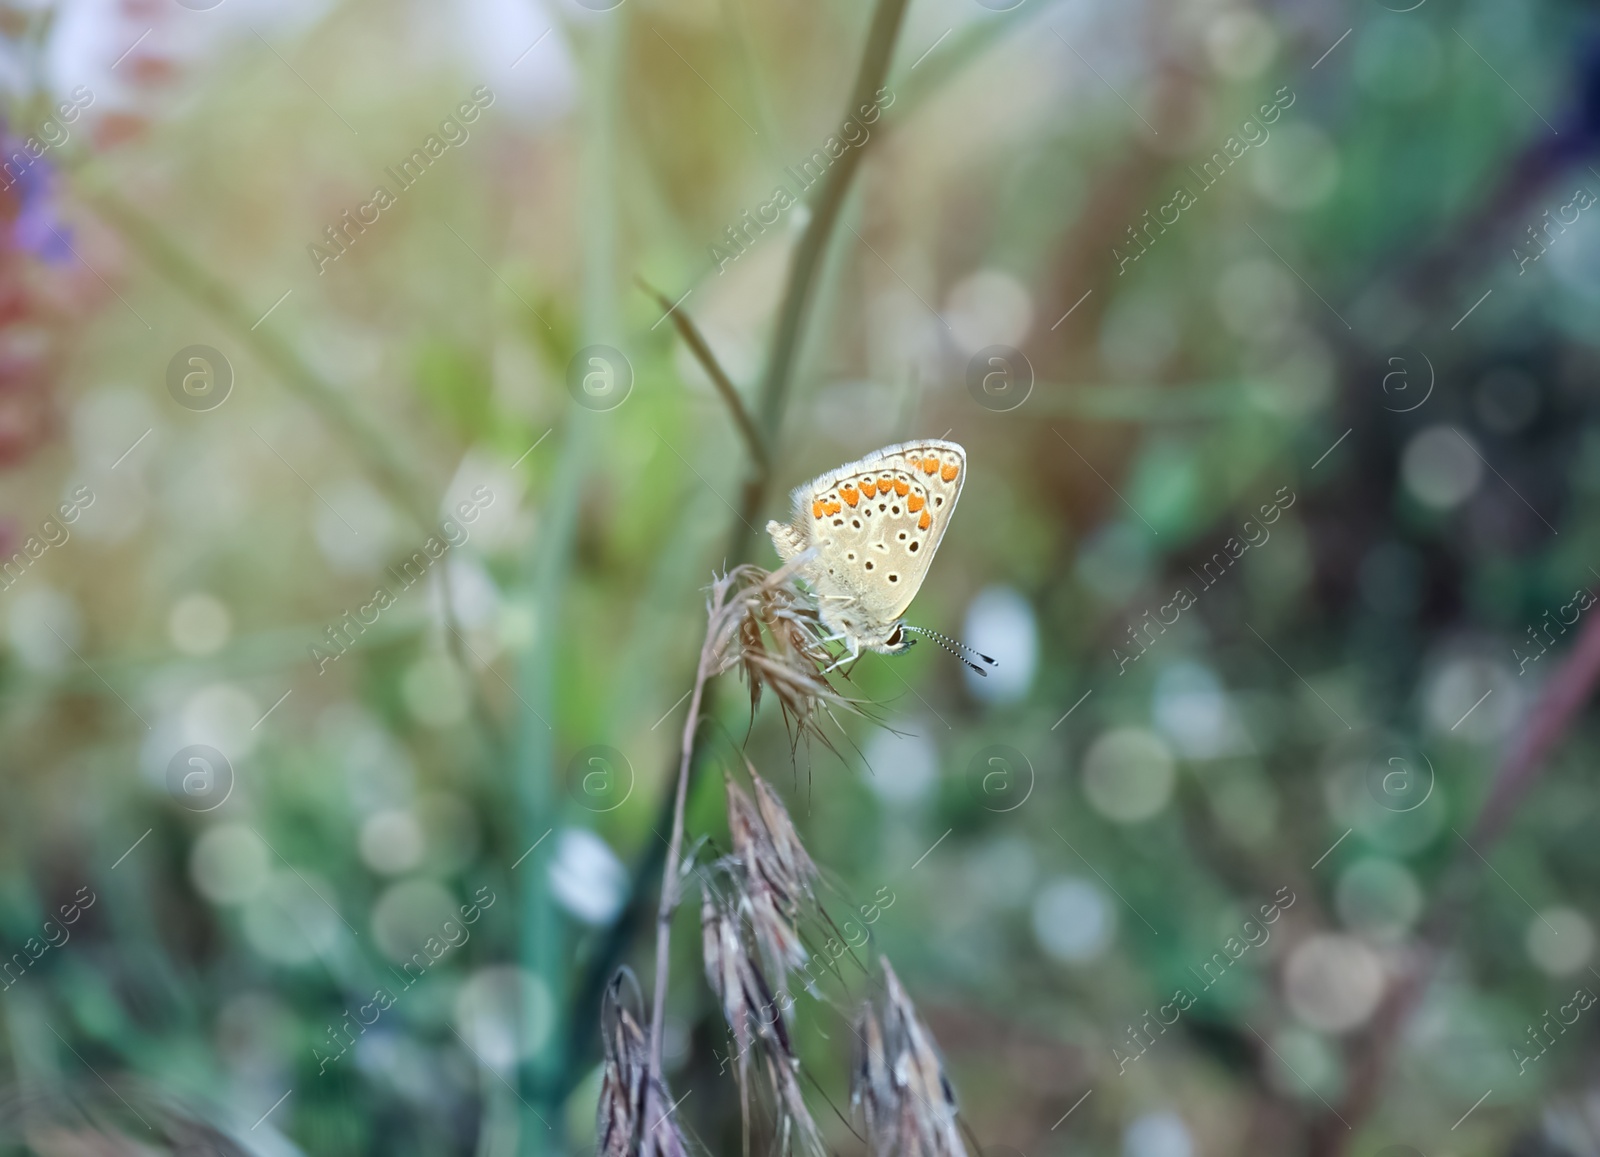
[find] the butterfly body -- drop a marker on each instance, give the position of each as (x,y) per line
(871,529)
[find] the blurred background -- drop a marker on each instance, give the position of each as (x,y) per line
(359,495)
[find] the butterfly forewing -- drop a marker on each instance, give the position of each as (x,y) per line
(877,523)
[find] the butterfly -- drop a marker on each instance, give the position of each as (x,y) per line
(871,529)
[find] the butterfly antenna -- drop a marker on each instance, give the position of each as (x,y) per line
(956,649)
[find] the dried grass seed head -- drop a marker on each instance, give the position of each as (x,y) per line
(747,997)
(762,623)
(872,1091)
(753,1014)
(769,893)
(898,1081)
(625,1061)
(790,866)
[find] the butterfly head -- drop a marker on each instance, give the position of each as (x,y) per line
(891,638)
(897,641)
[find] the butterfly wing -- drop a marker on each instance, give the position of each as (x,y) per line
(877,524)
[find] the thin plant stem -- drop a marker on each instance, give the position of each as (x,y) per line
(696,342)
(803,272)
(819,231)
(670,875)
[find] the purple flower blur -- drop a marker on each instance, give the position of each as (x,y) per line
(31,182)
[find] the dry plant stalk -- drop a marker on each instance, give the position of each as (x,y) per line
(765,626)
(770,874)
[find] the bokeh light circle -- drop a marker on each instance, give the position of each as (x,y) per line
(290,921)
(1333,982)
(902,768)
(1161,1134)
(504,1013)
(391,841)
(1378,897)
(1560,940)
(199,624)
(229,864)
(1073,920)
(1441,468)
(1128,775)
(410,914)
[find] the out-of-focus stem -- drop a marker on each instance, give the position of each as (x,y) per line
(671,876)
(1566,693)
(377,456)
(824,215)
(371,446)
(692,337)
(545,1078)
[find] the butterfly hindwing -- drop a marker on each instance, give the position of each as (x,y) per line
(876,525)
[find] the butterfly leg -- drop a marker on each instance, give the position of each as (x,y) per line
(853,651)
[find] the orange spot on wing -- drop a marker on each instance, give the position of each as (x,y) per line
(915,503)
(949,473)
(914,462)
(869,487)
(925,521)
(929,465)
(831,507)
(901,486)
(850,494)
(817,510)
